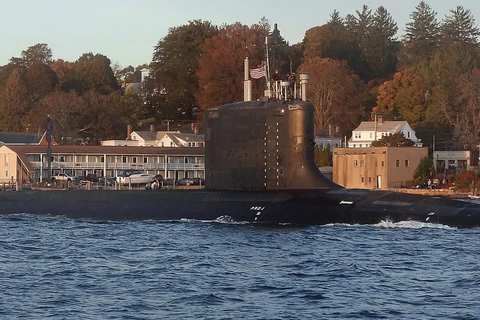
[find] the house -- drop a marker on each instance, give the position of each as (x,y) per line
(369,131)
(457,160)
(327,137)
(23,138)
(376,168)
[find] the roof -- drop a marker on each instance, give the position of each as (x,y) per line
(385,126)
(19,138)
(152,135)
(190,137)
(109,150)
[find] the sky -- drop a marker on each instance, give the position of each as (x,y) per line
(127,31)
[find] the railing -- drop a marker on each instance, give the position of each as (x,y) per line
(118,166)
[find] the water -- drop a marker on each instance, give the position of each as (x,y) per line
(57,268)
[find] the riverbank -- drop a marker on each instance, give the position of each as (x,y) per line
(450,193)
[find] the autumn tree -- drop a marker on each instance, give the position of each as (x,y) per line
(403,98)
(463,114)
(64,109)
(220,70)
(332,89)
(173,80)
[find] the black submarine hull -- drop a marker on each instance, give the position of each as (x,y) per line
(286,207)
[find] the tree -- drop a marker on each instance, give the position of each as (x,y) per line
(173,81)
(376,36)
(41,80)
(39,53)
(393,140)
(65,109)
(333,90)
(424,169)
(15,103)
(220,69)
(333,40)
(463,113)
(91,72)
(422,36)
(403,98)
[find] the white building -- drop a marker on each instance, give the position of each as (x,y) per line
(369,131)
(159,139)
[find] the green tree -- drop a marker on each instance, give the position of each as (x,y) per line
(91,72)
(173,83)
(333,40)
(393,140)
(422,37)
(41,80)
(424,169)
(39,53)
(15,103)
(376,36)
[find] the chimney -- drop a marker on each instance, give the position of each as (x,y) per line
(330,130)
(129,132)
(152,128)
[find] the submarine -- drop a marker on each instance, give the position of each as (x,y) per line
(259,169)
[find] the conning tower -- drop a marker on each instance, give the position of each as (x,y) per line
(263,145)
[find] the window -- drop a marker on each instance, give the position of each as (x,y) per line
(383,163)
(362,179)
(406,163)
(124,159)
(355,163)
(134,159)
(397,163)
(6,173)
(145,160)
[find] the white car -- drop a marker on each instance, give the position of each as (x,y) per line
(134,177)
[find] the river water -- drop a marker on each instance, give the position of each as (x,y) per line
(58,268)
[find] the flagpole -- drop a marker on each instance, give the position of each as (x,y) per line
(267,78)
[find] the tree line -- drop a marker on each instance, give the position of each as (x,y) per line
(358,67)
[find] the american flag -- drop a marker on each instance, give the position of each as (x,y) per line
(257,73)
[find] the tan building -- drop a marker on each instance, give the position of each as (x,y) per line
(376,168)
(28,163)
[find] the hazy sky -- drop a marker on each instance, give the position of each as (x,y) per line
(127,31)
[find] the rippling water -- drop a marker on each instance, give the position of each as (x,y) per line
(59,268)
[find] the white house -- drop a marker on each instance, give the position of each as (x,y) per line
(369,131)
(159,139)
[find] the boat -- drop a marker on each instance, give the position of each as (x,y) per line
(259,169)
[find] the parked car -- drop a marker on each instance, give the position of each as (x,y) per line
(185,182)
(92,177)
(134,177)
(169,182)
(65,177)
(111,181)
(198,182)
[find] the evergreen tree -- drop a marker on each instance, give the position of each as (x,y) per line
(422,36)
